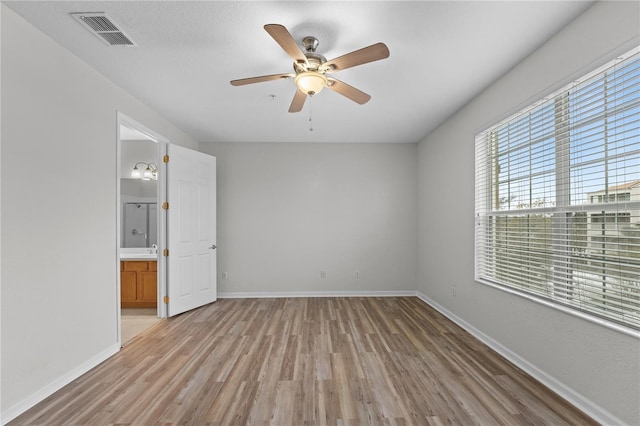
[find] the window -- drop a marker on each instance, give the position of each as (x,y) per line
(558,197)
(610,217)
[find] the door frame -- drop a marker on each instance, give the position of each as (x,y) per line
(162,142)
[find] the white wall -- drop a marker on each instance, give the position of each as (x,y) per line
(58,212)
(287,211)
(597,363)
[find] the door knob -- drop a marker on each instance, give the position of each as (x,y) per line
(213,247)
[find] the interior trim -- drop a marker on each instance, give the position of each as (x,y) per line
(587,316)
(587,406)
(280,294)
(36,397)
(596,412)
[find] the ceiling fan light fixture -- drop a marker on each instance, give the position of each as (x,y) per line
(310,82)
(310,67)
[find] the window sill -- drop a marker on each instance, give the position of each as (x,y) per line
(591,318)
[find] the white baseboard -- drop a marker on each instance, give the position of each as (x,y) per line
(22,406)
(587,406)
(584,404)
(280,294)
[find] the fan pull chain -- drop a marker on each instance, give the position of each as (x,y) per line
(310,114)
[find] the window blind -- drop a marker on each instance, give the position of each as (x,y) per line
(558,196)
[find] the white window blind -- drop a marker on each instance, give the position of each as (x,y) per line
(558,196)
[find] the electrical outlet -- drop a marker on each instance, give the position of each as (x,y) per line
(357,274)
(323,274)
(225,275)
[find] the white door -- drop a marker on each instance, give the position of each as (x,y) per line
(191,223)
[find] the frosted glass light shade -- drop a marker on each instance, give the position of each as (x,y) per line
(150,171)
(147,174)
(310,82)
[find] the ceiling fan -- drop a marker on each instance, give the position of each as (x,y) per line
(312,69)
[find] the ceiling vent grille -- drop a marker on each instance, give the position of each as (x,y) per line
(104,28)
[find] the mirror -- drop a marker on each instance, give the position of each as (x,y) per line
(138,197)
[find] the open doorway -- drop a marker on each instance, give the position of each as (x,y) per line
(140,222)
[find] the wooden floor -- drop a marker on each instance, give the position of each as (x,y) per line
(306,361)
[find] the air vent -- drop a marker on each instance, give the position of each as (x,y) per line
(104,28)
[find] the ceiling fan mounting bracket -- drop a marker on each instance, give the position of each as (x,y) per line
(310,44)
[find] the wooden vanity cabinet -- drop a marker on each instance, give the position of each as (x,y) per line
(138,284)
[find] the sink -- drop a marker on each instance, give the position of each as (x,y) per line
(138,256)
(137,253)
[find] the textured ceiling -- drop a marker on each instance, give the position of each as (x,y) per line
(442,55)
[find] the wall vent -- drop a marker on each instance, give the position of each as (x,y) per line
(104,28)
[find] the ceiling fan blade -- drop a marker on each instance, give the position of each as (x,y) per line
(251,80)
(372,53)
(282,36)
(348,91)
(298,101)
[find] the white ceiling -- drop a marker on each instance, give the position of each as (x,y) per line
(443,53)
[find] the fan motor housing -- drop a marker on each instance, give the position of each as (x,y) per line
(314,61)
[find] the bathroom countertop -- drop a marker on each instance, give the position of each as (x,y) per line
(137,254)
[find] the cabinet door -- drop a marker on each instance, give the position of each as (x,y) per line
(148,287)
(128,286)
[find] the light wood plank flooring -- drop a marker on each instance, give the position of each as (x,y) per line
(306,361)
